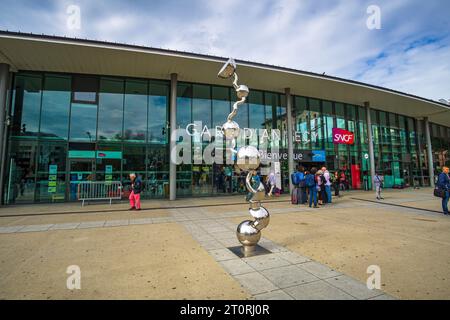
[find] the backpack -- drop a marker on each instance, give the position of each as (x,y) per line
(309,180)
(295,179)
(302,180)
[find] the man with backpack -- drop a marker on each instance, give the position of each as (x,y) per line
(310,183)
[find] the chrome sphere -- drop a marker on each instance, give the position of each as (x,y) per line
(260,193)
(248,158)
(230,130)
(247,234)
(242,91)
(262,217)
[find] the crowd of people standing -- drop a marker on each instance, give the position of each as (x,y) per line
(314,187)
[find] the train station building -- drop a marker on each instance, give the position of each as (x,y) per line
(75,110)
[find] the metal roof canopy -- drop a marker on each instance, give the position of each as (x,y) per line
(59,54)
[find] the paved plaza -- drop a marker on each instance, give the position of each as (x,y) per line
(179,250)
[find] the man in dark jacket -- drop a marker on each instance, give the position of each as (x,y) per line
(443,183)
(135,194)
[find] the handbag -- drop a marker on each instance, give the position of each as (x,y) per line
(438,192)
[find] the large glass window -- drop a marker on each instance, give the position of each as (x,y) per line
(184,104)
(110,109)
(22,172)
(220,105)
(51,174)
(158,101)
(85,89)
(135,114)
(328,124)
(201,104)
(315,119)
(27,105)
(56,107)
(83,122)
(302,136)
(257,115)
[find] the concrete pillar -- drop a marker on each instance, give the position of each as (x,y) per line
(429,152)
(4,83)
(173,127)
(369,135)
(289,135)
(420,150)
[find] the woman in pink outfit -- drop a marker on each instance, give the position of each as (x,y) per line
(135,194)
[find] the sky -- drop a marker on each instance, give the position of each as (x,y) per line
(403,45)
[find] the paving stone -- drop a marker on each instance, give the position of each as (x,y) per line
(204,238)
(65,226)
(91,224)
(266,261)
(224,235)
(229,242)
(383,297)
(161,220)
(10,229)
(216,229)
(318,290)
(141,221)
(292,257)
(353,287)
(319,270)
(288,276)
(116,223)
(274,295)
(236,266)
(271,246)
(255,283)
(223,254)
(179,219)
(36,228)
(211,245)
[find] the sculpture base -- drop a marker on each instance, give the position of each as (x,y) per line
(241,253)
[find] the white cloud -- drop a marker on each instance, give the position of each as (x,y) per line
(319,36)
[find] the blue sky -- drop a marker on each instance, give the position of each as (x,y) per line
(410,53)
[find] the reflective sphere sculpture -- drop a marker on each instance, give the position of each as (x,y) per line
(262,217)
(242,91)
(247,234)
(248,158)
(230,130)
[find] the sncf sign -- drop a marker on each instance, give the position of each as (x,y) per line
(341,136)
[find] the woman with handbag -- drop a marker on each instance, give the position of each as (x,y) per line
(443,185)
(378,182)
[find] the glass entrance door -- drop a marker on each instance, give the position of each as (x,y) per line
(80,170)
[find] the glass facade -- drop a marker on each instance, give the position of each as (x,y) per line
(71,128)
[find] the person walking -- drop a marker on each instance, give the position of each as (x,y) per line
(320,182)
(378,181)
(344,184)
(311,185)
(272,182)
(443,184)
(336,183)
(326,175)
(135,194)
